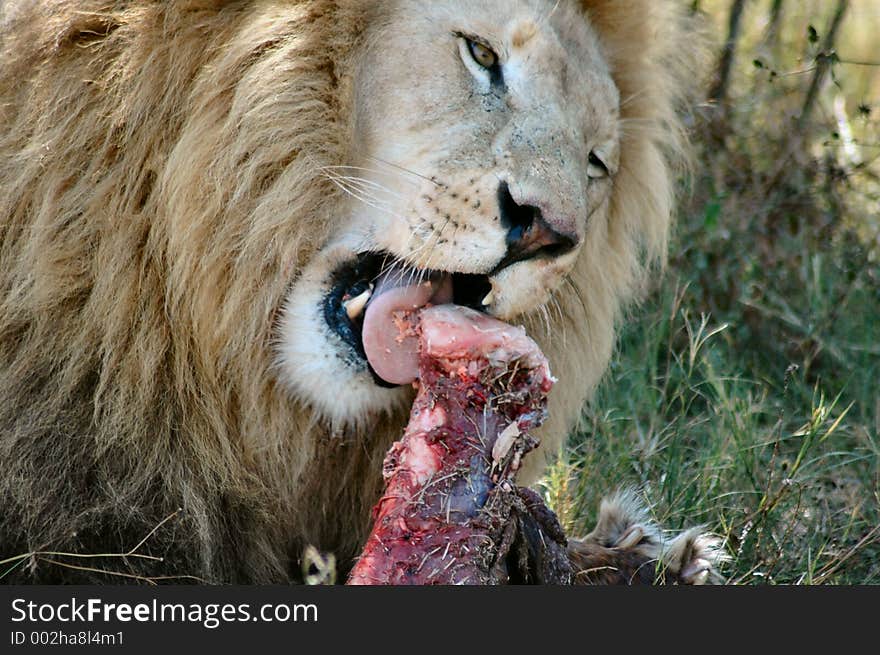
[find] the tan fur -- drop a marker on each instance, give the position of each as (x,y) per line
(627,547)
(162,192)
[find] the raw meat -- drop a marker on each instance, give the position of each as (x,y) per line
(451,512)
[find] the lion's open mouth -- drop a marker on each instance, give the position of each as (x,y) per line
(367,297)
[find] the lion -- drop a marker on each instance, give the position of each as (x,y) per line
(198,198)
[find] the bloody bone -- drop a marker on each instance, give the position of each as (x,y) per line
(451,512)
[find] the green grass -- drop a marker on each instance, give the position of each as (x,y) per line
(778,454)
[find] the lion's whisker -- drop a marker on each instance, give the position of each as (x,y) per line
(364,198)
(370,190)
(355,184)
(362,190)
(432,247)
(376,171)
(545,19)
(350,185)
(365,182)
(576,293)
(633,96)
(430,244)
(367,200)
(405,170)
(560,313)
(545,316)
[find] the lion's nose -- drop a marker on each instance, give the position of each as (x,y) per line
(529,235)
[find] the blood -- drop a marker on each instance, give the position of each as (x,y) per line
(451,512)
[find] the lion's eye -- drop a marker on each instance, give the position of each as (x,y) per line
(482,62)
(597,168)
(484,56)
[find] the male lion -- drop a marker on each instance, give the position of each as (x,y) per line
(197,197)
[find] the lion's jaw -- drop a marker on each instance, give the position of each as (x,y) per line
(439,150)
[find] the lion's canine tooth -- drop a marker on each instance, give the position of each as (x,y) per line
(355,306)
(489,299)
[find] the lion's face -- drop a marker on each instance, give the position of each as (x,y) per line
(485,145)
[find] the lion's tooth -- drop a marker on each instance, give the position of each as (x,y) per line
(355,306)
(489,299)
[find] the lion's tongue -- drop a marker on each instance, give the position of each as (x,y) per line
(391,351)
